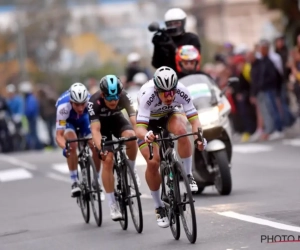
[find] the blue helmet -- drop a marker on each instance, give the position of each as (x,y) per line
(110,85)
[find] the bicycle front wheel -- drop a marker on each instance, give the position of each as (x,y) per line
(83,199)
(170,200)
(120,194)
(133,198)
(186,205)
(94,191)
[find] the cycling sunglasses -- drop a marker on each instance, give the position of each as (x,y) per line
(110,98)
(168,93)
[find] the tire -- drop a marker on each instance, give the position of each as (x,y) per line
(95,197)
(187,199)
(172,215)
(84,201)
(223,182)
(130,180)
(120,194)
(200,190)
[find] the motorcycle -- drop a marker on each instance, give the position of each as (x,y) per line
(213,165)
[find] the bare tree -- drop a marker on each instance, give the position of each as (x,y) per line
(44,23)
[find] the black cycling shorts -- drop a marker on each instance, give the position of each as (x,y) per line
(161,122)
(114,125)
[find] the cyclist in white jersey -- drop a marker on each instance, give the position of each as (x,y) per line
(158,101)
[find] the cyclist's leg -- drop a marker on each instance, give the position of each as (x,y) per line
(177,125)
(153,178)
(124,129)
(72,160)
(108,179)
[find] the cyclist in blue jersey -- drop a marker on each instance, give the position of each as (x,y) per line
(71,115)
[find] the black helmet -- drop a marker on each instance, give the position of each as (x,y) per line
(110,85)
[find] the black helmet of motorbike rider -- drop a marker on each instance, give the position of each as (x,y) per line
(187,59)
(165,81)
(175,20)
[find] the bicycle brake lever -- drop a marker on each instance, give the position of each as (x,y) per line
(150,146)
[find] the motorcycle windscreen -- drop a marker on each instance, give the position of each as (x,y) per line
(201,89)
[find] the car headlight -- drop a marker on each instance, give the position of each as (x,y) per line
(209,117)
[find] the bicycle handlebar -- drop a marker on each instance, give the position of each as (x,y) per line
(76,140)
(119,141)
(174,138)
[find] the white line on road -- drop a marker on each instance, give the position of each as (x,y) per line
(61,167)
(146,196)
(256,220)
(292,142)
(251,148)
(18,163)
(58,177)
(14,174)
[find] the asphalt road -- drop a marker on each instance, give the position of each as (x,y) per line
(37,212)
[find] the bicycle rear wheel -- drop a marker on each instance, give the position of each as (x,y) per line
(120,194)
(169,198)
(133,196)
(94,191)
(83,199)
(186,204)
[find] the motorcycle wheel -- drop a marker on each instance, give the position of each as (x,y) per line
(223,181)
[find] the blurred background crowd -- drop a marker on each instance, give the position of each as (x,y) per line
(45,46)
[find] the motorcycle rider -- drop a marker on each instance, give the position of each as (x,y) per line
(134,67)
(188,60)
(165,44)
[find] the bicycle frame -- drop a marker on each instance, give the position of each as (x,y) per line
(166,150)
(82,156)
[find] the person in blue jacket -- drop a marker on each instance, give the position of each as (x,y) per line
(31,111)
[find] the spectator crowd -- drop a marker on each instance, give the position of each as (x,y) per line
(266,101)
(25,106)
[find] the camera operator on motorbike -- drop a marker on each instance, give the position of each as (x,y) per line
(158,101)
(165,44)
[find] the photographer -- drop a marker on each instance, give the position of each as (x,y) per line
(166,43)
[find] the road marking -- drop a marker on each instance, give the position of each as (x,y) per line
(292,142)
(251,148)
(140,161)
(18,163)
(256,220)
(146,196)
(14,174)
(58,177)
(61,167)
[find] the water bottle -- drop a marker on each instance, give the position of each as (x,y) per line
(171,180)
(171,176)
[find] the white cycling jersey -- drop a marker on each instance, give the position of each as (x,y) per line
(151,107)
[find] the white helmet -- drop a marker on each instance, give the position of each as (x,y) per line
(175,14)
(140,78)
(25,87)
(165,78)
(78,93)
(133,57)
(10,88)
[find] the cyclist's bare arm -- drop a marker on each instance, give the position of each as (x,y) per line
(95,128)
(61,142)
